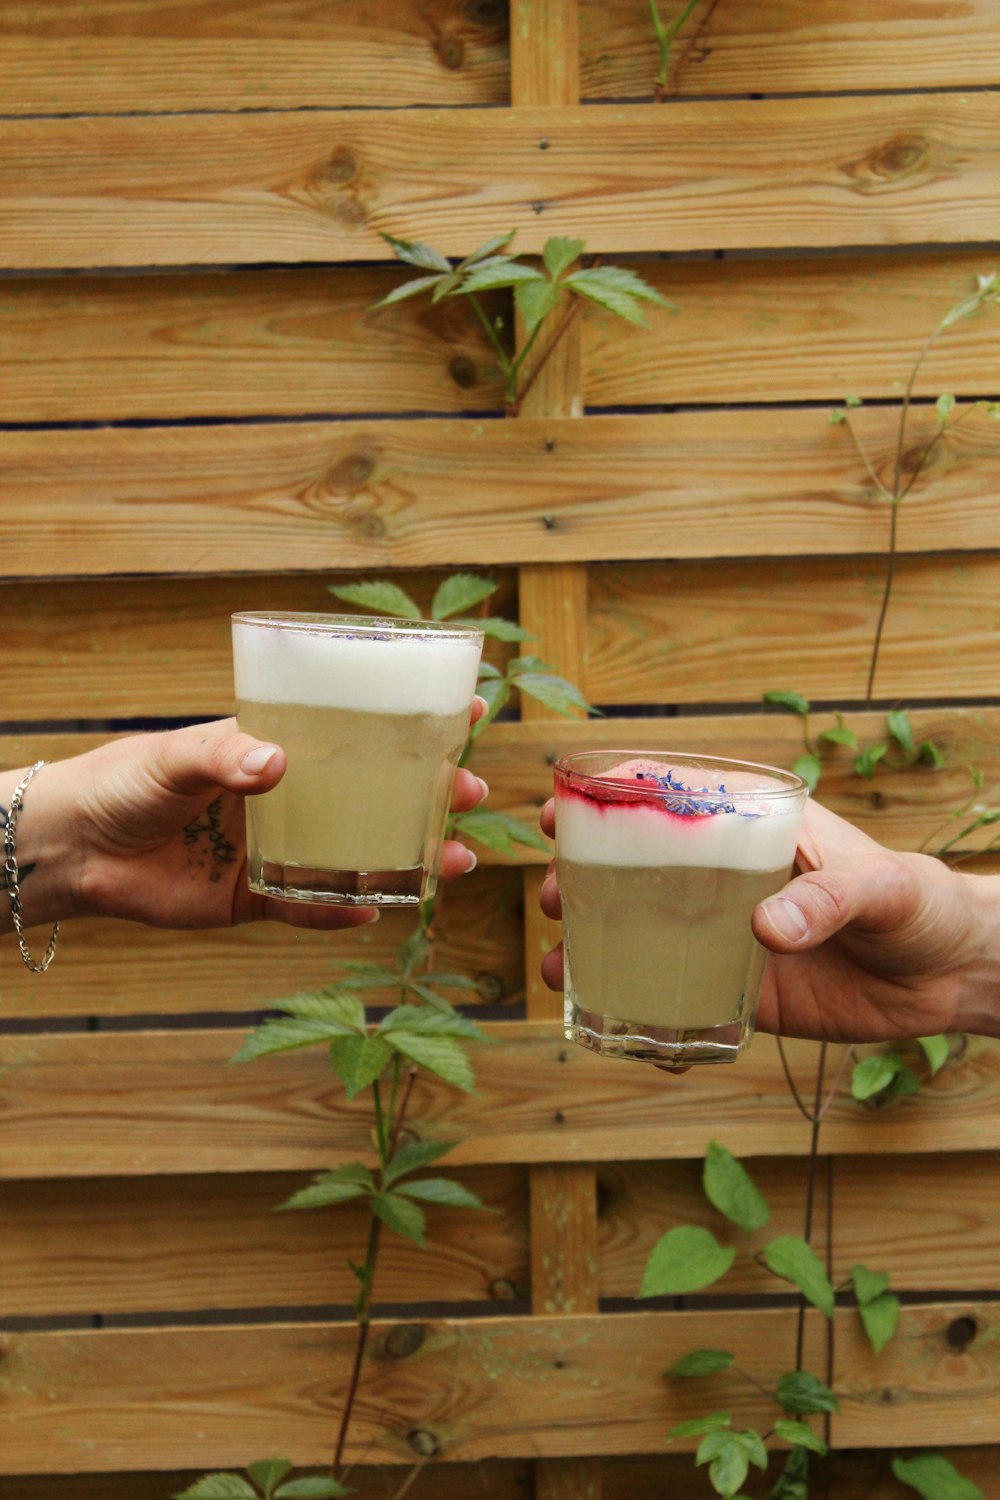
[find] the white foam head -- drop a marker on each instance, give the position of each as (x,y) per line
(355,663)
(759,833)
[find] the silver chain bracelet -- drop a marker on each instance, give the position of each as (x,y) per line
(12,876)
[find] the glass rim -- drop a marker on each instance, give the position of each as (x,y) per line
(792,785)
(374,626)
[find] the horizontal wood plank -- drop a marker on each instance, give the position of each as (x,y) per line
(729,632)
(192,190)
(772,47)
(320,497)
(145,1103)
(182,1244)
(481,1388)
(213,55)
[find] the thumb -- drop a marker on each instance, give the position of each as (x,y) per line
(204,757)
(875,893)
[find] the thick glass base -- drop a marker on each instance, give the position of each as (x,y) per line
(680,1048)
(341,887)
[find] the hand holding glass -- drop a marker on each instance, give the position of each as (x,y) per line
(661,859)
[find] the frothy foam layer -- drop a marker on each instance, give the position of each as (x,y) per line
(618,826)
(394,674)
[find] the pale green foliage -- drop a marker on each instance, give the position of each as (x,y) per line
(665,36)
(685,1259)
(793,1260)
(935,1478)
(270,1482)
(729,1187)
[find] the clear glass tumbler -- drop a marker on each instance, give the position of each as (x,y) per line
(373,715)
(661,858)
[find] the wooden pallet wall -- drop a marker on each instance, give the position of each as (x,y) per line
(200,411)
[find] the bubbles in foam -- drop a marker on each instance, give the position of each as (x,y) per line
(375,672)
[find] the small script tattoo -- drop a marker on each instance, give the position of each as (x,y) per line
(207,844)
(23,870)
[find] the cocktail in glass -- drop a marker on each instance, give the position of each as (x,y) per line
(373,715)
(661,859)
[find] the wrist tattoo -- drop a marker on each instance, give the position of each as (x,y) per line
(207,843)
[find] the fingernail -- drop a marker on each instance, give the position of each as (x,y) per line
(255,760)
(374,915)
(787,919)
(473,862)
(485,786)
(478,698)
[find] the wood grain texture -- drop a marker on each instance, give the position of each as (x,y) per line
(476,1386)
(545,493)
(144,1103)
(929,1221)
(185,1244)
(213,54)
(729,632)
(772,47)
(193,190)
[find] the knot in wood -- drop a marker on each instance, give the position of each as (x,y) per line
(423,1442)
(349,212)
(502,1290)
(490,986)
(403,1340)
(351,473)
(899,157)
(961,1331)
(342,167)
(450,51)
(490,15)
(462,371)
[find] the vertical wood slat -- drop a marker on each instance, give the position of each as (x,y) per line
(545,69)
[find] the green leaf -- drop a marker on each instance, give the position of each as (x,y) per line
(793,1481)
(698,1426)
(685,1259)
(416,254)
(810,768)
(793,701)
(793,1260)
(378,596)
(413,1156)
(415,951)
(358,1061)
(498,629)
(899,726)
(362,976)
(441,1190)
(499,831)
(799,1435)
(430,1020)
(701,1362)
(944,406)
(269,1472)
(219,1487)
(868,1284)
(439,1055)
(447,285)
(559,253)
(936,1050)
(880,1319)
(840,736)
(460,592)
(401,1216)
(342,1185)
(339,1008)
(534,301)
(503,272)
(865,763)
(555,692)
(312,1488)
(836,415)
(407,289)
(490,247)
(873,1074)
(852,400)
(496,691)
(931,755)
(935,1478)
(730,1454)
(286,1035)
(730,1188)
(905,1082)
(805,1394)
(616,289)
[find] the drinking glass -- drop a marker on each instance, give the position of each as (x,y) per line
(661,858)
(373,715)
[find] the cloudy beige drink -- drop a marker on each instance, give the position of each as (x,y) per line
(660,864)
(373,716)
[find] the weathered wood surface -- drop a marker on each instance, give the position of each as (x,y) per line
(772,47)
(126,1398)
(289,342)
(214,55)
(183,1244)
(186,190)
(143,1103)
(856,1476)
(112,968)
(728,632)
(389,494)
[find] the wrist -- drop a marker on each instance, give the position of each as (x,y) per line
(978,1000)
(42,847)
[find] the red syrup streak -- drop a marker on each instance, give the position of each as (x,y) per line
(604,793)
